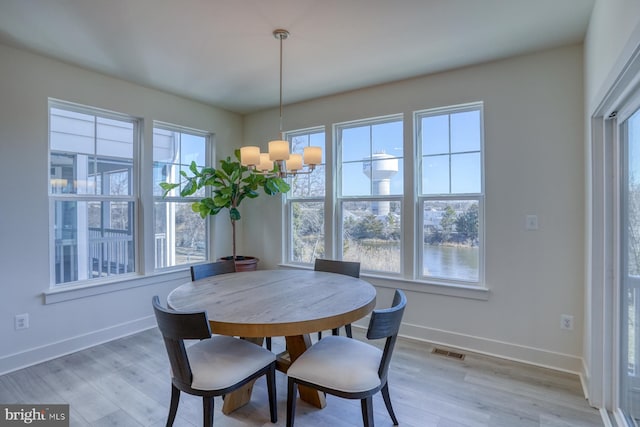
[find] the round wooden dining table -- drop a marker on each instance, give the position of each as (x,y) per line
(276,303)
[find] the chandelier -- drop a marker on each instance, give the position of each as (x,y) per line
(279,161)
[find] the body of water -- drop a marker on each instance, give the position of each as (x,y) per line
(452,262)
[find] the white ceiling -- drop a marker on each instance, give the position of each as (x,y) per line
(222,52)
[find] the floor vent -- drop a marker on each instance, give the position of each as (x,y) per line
(447,353)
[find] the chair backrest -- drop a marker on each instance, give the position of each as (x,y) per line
(348,268)
(176,327)
(201,271)
(385,323)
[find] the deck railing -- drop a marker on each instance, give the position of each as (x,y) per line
(110,252)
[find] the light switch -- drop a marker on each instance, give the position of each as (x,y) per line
(532,222)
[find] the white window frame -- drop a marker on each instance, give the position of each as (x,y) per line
(410,276)
(289,200)
(132,198)
(422,197)
(341,200)
(179,199)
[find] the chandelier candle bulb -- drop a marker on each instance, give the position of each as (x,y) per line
(265,163)
(312,155)
(279,150)
(250,156)
(294,163)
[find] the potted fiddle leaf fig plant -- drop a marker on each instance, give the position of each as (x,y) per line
(230,184)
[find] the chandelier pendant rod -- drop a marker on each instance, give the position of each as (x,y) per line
(281,35)
(281,87)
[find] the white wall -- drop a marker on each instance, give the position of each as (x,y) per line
(611,28)
(27,81)
(533,109)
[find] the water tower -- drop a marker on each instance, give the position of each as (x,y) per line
(380,169)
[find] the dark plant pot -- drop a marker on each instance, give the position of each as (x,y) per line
(243,263)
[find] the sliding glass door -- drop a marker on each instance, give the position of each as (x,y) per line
(629,368)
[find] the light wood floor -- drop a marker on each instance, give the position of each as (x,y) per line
(126,383)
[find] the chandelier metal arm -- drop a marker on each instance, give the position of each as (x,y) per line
(280,171)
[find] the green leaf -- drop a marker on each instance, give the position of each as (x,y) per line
(234,213)
(250,193)
(221,175)
(189,188)
(203,207)
(208,171)
(193,168)
(270,187)
(282,185)
(229,167)
(211,180)
(167,187)
(235,175)
(209,203)
(222,201)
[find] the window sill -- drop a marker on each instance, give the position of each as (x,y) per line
(72,292)
(453,290)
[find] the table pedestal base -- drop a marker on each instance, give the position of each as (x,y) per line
(296,345)
(242,396)
(238,398)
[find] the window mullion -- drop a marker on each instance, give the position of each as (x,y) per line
(449,141)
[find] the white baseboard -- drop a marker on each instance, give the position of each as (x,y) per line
(617,416)
(530,355)
(584,379)
(32,356)
(606,420)
(519,353)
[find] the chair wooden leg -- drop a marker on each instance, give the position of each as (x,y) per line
(268,340)
(347,328)
(173,408)
(335,331)
(366,405)
(292,395)
(387,403)
(207,411)
(271,387)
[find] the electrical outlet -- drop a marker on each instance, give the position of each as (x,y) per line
(22,321)
(531,222)
(566,322)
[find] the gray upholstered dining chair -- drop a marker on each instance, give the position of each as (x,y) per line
(200,271)
(213,366)
(349,268)
(350,368)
